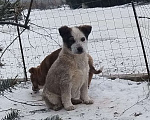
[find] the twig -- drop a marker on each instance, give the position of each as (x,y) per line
(6,32)
(35,100)
(7,110)
(30,42)
(40,110)
(13,53)
(147,96)
(143,17)
(41,26)
(25,103)
(46,36)
(15,24)
(29,10)
(10,44)
(49,35)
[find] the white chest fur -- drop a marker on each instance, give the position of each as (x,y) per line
(82,61)
(80,76)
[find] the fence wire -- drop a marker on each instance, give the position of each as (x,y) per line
(114,42)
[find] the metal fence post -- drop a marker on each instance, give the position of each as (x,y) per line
(141,40)
(21,49)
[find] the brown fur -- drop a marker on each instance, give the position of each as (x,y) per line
(38,74)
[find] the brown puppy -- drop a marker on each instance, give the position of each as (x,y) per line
(38,74)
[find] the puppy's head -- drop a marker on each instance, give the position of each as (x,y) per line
(75,38)
(33,70)
(34,78)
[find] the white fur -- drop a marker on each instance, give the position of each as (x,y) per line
(77,35)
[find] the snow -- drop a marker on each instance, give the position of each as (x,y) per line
(113,43)
(111,99)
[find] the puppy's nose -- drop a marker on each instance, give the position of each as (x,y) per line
(80,49)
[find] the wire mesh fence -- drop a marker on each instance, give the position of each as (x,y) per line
(114,42)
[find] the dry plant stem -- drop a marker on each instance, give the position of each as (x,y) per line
(25,103)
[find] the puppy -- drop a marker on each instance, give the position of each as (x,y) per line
(38,74)
(68,76)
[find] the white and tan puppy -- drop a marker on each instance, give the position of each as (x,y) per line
(67,78)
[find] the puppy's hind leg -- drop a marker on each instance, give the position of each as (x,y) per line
(48,104)
(52,101)
(90,78)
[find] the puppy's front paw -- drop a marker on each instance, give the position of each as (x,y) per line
(35,89)
(57,107)
(88,102)
(70,108)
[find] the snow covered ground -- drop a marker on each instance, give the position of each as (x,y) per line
(111,99)
(113,43)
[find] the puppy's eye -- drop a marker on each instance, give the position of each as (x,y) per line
(71,40)
(83,39)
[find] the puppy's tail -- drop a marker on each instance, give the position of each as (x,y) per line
(93,70)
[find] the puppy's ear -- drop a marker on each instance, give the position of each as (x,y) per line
(32,70)
(64,30)
(86,29)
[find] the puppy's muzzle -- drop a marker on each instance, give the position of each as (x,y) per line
(80,50)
